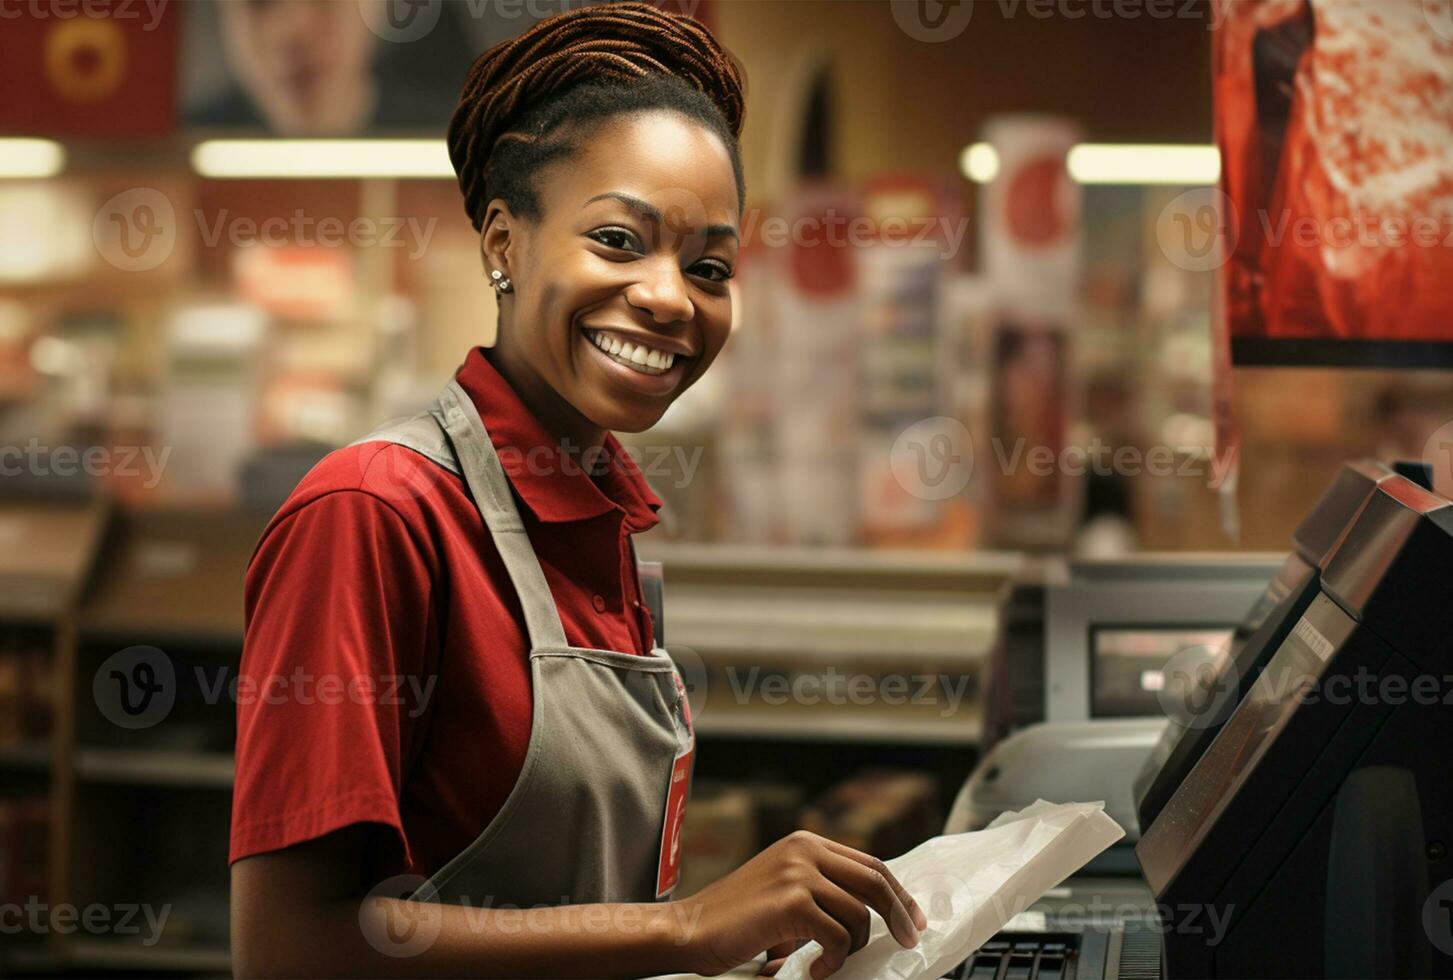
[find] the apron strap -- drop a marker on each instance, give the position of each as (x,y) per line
(487,481)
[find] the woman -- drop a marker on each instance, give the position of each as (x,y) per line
(500,739)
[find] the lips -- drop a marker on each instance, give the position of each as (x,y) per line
(632,352)
(627,360)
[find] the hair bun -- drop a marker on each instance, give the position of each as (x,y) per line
(607,42)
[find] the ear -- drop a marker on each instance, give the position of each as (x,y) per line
(496,240)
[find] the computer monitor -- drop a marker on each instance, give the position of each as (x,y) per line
(1111,626)
(1312,836)
(1221,683)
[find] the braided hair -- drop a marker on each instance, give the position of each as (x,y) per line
(527,102)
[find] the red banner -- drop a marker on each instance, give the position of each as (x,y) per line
(1335,119)
(88,68)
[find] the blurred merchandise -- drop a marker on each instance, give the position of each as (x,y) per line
(718,835)
(880,812)
(1031,220)
(209,410)
(815,318)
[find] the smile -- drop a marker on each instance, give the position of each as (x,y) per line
(633,354)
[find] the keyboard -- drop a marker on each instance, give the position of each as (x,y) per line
(1047,957)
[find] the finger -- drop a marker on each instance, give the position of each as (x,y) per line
(879,889)
(834,939)
(909,903)
(770,968)
(783,949)
(847,909)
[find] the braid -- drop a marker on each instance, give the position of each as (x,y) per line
(578,68)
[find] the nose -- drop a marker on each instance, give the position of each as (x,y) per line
(663,293)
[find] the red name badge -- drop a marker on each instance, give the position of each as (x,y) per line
(668,870)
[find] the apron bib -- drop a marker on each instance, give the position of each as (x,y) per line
(596,813)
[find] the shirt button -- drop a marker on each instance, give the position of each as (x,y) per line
(598,601)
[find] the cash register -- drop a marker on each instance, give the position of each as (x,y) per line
(1307,834)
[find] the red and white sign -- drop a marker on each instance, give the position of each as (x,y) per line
(668,869)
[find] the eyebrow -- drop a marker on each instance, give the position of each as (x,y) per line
(653,213)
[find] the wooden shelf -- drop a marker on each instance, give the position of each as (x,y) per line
(30,756)
(155,767)
(115,954)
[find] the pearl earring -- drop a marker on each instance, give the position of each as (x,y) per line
(499,281)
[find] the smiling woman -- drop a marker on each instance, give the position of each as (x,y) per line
(544,760)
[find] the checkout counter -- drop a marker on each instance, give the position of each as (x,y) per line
(1298,825)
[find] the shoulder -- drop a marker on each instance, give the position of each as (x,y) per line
(373,486)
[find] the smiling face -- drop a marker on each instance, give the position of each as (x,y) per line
(619,300)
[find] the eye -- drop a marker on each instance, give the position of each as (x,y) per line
(621,239)
(716,270)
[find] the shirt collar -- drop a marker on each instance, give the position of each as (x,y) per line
(552,482)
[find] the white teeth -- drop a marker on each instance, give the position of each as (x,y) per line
(636,356)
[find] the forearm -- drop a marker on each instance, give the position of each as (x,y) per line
(389,937)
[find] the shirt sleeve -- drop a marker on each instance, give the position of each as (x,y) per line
(338,599)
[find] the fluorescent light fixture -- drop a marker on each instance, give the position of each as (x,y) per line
(979,162)
(298,159)
(31,158)
(1143,163)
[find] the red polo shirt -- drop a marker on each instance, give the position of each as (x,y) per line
(385,672)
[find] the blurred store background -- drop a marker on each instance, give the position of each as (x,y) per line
(973,335)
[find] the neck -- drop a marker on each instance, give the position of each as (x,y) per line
(560,418)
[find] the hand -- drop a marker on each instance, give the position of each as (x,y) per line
(803,887)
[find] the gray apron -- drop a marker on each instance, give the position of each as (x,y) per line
(595,814)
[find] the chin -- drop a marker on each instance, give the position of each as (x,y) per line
(624,418)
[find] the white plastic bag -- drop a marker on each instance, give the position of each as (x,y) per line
(969,885)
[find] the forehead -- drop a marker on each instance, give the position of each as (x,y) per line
(664,158)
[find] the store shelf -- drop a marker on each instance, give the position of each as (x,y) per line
(156,767)
(849,725)
(115,954)
(32,756)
